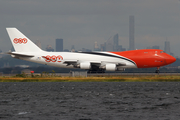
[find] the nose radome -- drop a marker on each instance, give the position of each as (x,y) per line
(170,59)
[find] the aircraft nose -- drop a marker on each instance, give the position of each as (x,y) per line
(170,59)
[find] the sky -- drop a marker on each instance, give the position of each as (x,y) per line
(83,22)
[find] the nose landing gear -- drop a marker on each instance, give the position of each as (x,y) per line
(157,71)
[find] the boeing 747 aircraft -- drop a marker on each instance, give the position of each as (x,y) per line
(25,49)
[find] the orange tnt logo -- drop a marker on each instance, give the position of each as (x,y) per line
(20,40)
(53,58)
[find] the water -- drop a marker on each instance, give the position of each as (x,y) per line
(90,101)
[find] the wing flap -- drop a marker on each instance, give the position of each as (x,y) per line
(70,62)
(117,63)
(121,64)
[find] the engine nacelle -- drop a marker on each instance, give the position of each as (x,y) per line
(85,65)
(111,67)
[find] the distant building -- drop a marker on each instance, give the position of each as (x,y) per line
(103,47)
(72,48)
(49,48)
(167,47)
(85,50)
(66,50)
(155,47)
(112,44)
(59,45)
(131,33)
(96,47)
(115,42)
(109,44)
(109,47)
(120,48)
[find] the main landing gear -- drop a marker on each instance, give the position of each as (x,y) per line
(157,71)
(96,71)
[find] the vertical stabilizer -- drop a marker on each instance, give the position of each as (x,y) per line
(20,42)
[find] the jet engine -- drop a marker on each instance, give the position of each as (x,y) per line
(111,67)
(85,65)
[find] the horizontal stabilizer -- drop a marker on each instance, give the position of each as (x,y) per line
(20,54)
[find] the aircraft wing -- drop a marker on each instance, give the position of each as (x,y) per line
(95,63)
(121,64)
(70,62)
(19,54)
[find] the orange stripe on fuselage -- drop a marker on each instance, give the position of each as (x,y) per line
(145,58)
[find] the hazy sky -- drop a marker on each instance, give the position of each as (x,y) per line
(82,22)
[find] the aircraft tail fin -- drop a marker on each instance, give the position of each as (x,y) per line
(20,42)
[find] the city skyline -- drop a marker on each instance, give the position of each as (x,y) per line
(113,42)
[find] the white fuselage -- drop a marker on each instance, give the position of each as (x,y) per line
(75,56)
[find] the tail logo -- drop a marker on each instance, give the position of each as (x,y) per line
(20,40)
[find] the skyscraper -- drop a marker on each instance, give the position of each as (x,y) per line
(59,45)
(115,42)
(131,33)
(72,48)
(109,44)
(167,47)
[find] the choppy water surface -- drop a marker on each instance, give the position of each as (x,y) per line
(90,101)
